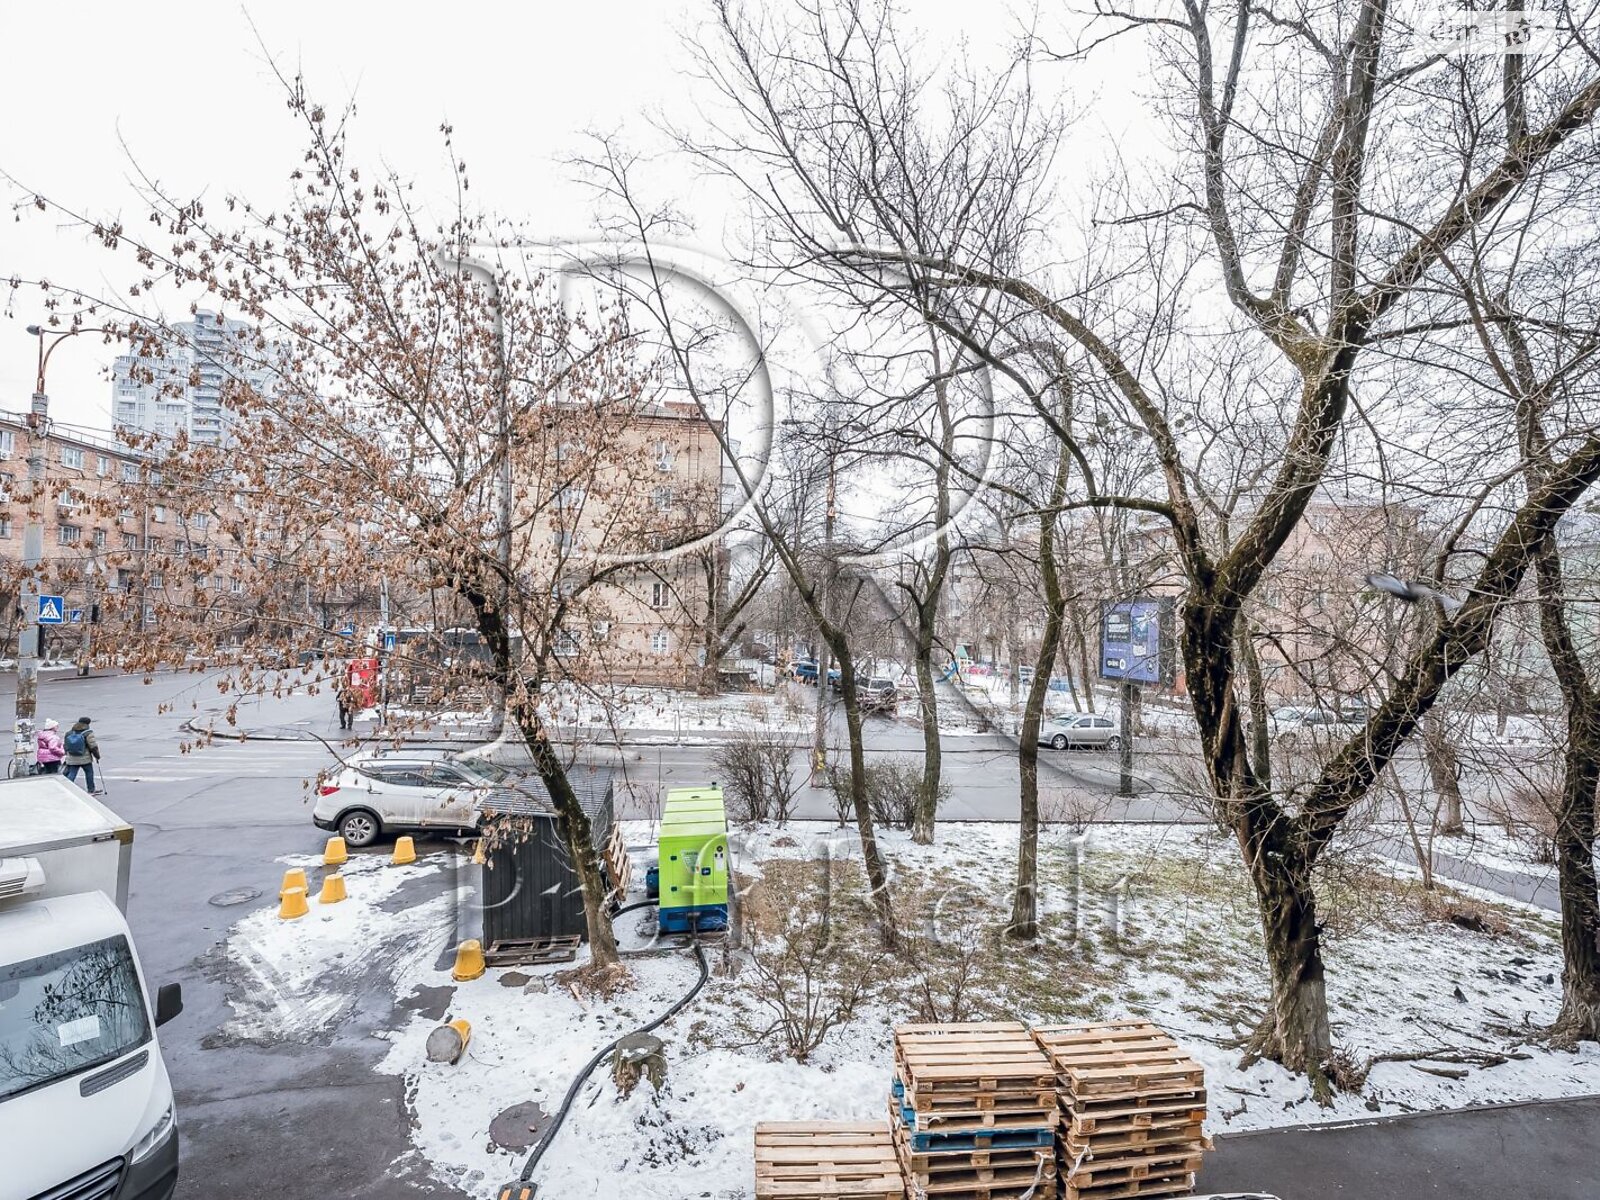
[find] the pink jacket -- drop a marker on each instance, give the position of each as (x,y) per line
(51,748)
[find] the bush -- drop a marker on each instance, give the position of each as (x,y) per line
(757,776)
(893,788)
(796,978)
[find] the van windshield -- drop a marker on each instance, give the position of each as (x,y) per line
(68,1011)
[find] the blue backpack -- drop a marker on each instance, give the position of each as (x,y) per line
(76,742)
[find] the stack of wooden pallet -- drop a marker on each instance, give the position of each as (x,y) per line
(1132,1105)
(974,1112)
(826,1160)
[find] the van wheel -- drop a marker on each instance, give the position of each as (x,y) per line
(1059,742)
(359,828)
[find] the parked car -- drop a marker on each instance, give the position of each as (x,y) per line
(1081,729)
(805,670)
(1299,720)
(877,693)
(374,795)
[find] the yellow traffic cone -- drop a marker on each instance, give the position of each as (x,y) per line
(469,961)
(332,889)
(335,854)
(293,904)
(294,878)
(405,851)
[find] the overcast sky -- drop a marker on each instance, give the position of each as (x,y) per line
(187,92)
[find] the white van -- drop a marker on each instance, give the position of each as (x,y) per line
(86,1108)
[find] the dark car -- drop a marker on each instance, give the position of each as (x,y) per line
(804,670)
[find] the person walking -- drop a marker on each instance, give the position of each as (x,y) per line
(82,752)
(347,706)
(49,750)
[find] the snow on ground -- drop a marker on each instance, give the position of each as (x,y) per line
(297,979)
(1148,921)
(681,711)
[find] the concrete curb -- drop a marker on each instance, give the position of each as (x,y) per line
(1398,1118)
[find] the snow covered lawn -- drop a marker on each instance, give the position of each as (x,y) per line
(1151,921)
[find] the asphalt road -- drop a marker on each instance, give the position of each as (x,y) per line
(1540,1151)
(312,1120)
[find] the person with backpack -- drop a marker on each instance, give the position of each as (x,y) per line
(82,752)
(48,748)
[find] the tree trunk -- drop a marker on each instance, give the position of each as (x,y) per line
(1025,898)
(1444,771)
(578,832)
(877,873)
(1579,1019)
(1260,732)
(927,813)
(1295,1032)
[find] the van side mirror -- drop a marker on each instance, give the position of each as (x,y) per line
(169,1002)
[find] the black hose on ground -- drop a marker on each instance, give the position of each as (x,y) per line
(634,905)
(583,1076)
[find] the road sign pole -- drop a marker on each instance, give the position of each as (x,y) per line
(32,558)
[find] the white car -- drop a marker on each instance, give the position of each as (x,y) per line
(375,795)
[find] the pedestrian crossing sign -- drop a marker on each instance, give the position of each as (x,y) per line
(52,610)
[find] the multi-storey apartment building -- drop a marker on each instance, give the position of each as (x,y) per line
(179,389)
(660,486)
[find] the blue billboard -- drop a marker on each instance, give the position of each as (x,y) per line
(1136,641)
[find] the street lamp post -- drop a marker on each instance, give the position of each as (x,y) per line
(28,640)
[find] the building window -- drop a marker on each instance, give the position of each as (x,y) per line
(156,579)
(102,465)
(154,545)
(569,498)
(660,595)
(661,497)
(236,586)
(5,527)
(69,535)
(565,539)
(602,630)
(99,539)
(71,456)
(8,443)
(124,579)
(660,641)
(663,453)
(566,643)
(568,450)
(200,521)
(7,482)
(158,514)
(130,541)
(130,472)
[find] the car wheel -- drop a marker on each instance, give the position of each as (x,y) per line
(359,828)
(1113,743)
(1059,742)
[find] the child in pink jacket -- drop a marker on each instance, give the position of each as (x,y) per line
(50,748)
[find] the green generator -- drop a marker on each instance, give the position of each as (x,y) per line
(693,860)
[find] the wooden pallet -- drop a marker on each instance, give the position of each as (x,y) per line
(522,952)
(1118,1062)
(1132,1168)
(966,1139)
(619,865)
(826,1160)
(965,1061)
(1139,1189)
(1120,1118)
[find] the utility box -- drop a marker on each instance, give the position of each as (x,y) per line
(529,887)
(693,861)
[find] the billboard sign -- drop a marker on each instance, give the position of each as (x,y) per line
(1136,641)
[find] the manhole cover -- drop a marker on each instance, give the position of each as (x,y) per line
(520,1126)
(235,896)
